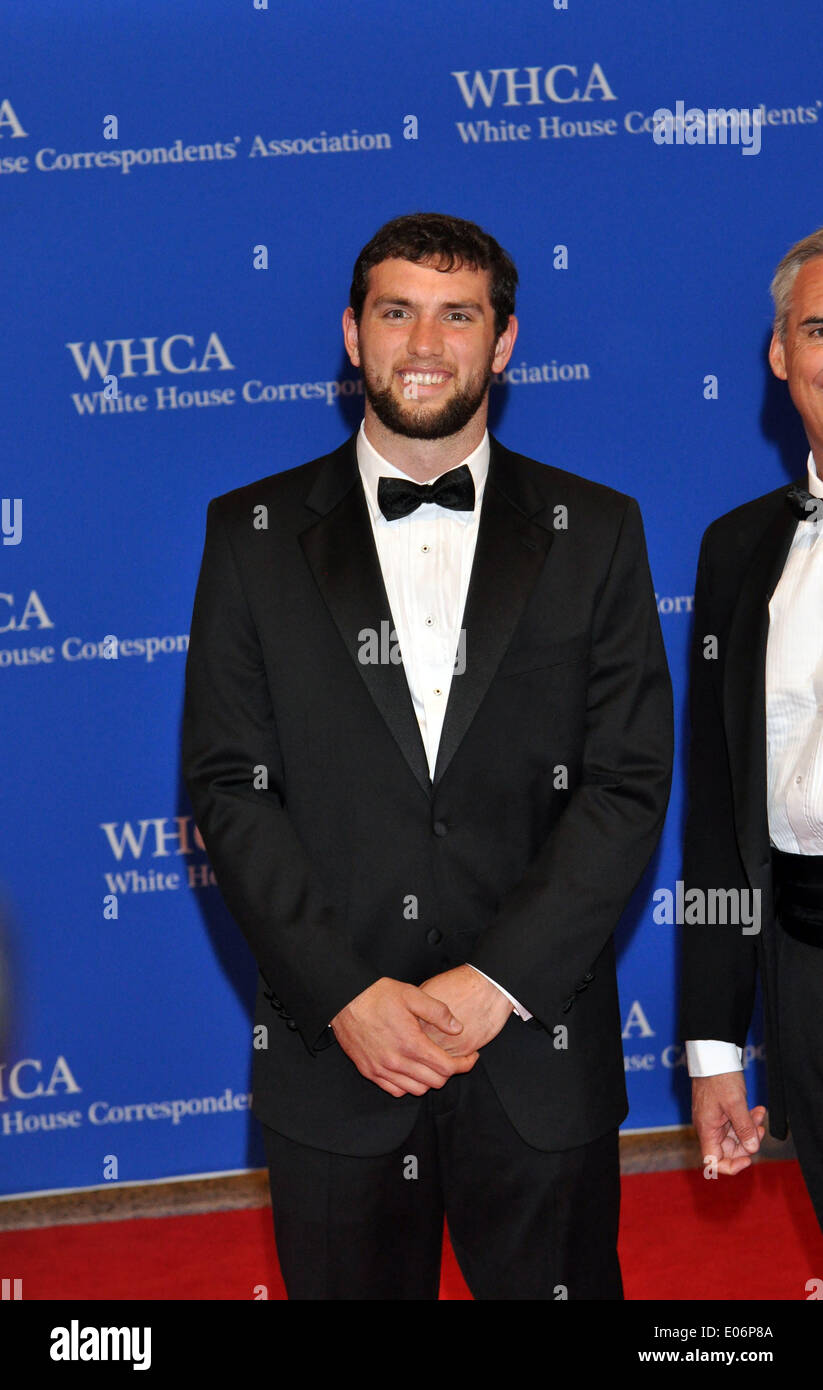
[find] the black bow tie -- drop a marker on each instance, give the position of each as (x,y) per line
(398,497)
(803,504)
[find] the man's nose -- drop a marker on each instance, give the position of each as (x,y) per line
(426,337)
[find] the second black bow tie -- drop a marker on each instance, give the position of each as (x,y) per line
(398,497)
(803,504)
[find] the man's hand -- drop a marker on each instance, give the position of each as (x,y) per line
(381,1031)
(727,1130)
(480,1004)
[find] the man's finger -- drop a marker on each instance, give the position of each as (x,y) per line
(390,1087)
(450,1045)
(731,1166)
(436,1035)
(434,1011)
(464,1061)
(743,1126)
(422,1051)
(417,1079)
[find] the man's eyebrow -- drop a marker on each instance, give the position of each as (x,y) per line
(447,304)
(813,318)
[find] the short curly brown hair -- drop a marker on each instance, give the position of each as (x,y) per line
(423,236)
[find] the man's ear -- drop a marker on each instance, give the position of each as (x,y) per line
(777,357)
(350,336)
(505,345)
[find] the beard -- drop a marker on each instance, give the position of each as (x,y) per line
(415,421)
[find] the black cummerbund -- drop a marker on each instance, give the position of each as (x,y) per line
(798,882)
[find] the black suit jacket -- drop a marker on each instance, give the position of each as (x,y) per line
(727,832)
(548,797)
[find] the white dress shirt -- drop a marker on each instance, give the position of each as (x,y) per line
(794,725)
(426,559)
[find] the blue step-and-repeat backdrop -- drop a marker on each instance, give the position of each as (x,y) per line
(183,191)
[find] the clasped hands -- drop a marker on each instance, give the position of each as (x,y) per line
(408,1039)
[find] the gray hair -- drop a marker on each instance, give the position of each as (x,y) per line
(786,274)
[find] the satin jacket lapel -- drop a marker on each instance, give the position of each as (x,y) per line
(340,551)
(745,691)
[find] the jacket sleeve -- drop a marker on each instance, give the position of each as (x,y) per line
(549,930)
(718,961)
(263,870)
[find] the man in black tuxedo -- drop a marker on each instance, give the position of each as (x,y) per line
(755,822)
(429,856)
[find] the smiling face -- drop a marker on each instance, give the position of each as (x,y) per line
(427,347)
(798,359)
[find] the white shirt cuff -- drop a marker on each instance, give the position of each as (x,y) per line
(518,1008)
(709,1057)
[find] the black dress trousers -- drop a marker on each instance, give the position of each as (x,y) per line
(523,1223)
(800,1009)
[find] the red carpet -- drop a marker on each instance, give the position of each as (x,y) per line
(753,1236)
(683,1237)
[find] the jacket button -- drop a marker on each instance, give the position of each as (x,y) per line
(290,1023)
(440,828)
(433,936)
(588,977)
